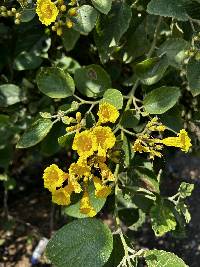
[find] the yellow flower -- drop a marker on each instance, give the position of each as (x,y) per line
(101,190)
(85,144)
(62,196)
(79,169)
(182,140)
(47,11)
(85,205)
(106,173)
(107,113)
(105,139)
(54,177)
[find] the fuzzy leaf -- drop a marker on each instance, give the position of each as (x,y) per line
(83,242)
(170,8)
(35,133)
(160,258)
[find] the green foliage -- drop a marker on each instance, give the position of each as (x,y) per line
(151,70)
(159,258)
(103,6)
(160,100)
(109,29)
(193,69)
(10,94)
(86,19)
(92,80)
(35,133)
(170,8)
(92,242)
(162,219)
(114,97)
(55,83)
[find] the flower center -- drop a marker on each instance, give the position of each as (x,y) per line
(47,11)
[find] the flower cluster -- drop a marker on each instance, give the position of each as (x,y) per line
(92,146)
(56,12)
(146,143)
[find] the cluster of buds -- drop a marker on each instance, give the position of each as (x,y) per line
(155,125)
(194,50)
(59,25)
(79,122)
(4,12)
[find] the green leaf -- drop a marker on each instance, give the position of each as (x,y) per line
(172,119)
(103,6)
(182,208)
(114,97)
(185,189)
(50,144)
(66,140)
(128,152)
(129,119)
(170,8)
(151,70)
(193,76)
(27,14)
(162,219)
(83,242)
(10,94)
(6,155)
(160,100)
(111,28)
(96,202)
(69,39)
(55,83)
(147,179)
(68,64)
(86,19)
(35,133)
(174,49)
(117,253)
(27,61)
(160,258)
(92,80)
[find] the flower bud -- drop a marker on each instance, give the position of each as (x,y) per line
(59,31)
(69,23)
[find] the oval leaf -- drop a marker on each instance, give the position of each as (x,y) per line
(151,70)
(10,94)
(85,20)
(161,99)
(55,83)
(103,6)
(27,61)
(160,258)
(81,243)
(92,80)
(193,76)
(170,8)
(35,133)
(114,97)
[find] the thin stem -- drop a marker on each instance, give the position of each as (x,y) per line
(85,101)
(51,224)
(126,131)
(153,45)
(117,221)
